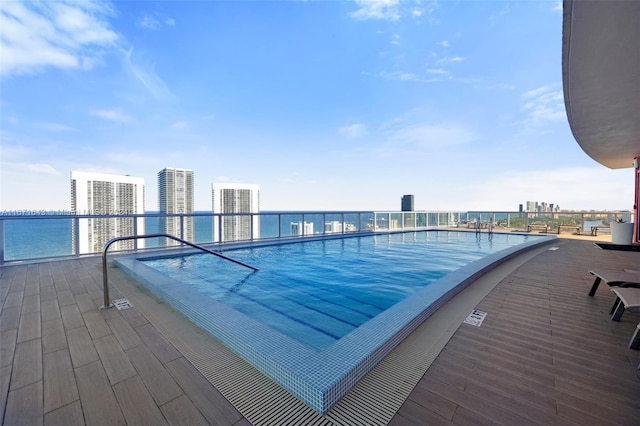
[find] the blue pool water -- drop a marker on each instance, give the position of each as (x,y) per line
(319,315)
(317,292)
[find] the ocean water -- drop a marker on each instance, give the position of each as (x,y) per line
(46,236)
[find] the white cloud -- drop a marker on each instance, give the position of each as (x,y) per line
(505,86)
(536,92)
(424,135)
(438,71)
(497,86)
(444,43)
(55,127)
(414,132)
(376,9)
(30,167)
(353,131)
(41,169)
(544,104)
(180,125)
(115,115)
(392,9)
(146,74)
(452,59)
(557,7)
(406,76)
(133,161)
(149,22)
(61,34)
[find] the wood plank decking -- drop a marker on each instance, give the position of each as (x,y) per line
(546,353)
(65,362)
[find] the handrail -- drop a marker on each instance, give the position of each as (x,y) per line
(105,280)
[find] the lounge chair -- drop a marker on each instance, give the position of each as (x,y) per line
(627,299)
(615,279)
(634,343)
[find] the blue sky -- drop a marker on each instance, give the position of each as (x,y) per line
(327,105)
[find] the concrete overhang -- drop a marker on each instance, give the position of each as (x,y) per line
(601,78)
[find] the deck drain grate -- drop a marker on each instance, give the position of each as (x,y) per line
(475,318)
(122,304)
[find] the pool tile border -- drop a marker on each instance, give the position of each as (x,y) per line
(318,377)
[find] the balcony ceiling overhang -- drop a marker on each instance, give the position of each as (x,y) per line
(601,78)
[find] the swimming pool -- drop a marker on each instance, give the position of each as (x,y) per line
(318,315)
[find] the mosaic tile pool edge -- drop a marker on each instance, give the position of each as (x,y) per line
(318,378)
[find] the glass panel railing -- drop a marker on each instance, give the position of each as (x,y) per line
(44,236)
(334,223)
(269,226)
(292,225)
(443,219)
(409,220)
(367,222)
(395,221)
(37,238)
(314,224)
(382,221)
(421,220)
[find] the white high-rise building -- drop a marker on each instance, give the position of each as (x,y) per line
(175,195)
(332,227)
(106,194)
(233,198)
(298,227)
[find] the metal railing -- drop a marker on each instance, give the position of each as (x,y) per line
(105,280)
(29,236)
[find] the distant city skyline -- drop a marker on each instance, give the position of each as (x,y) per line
(459,103)
(539,207)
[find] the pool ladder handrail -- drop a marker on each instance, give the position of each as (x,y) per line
(478,228)
(105,280)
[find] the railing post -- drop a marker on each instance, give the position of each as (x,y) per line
(135,232)
(324,221)
(105,280)
(1,242)
(76,237)
(251,226)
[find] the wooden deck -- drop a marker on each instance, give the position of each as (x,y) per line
(546,353)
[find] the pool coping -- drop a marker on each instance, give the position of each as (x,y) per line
(317,377)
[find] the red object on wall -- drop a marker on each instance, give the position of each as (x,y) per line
(636,204)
